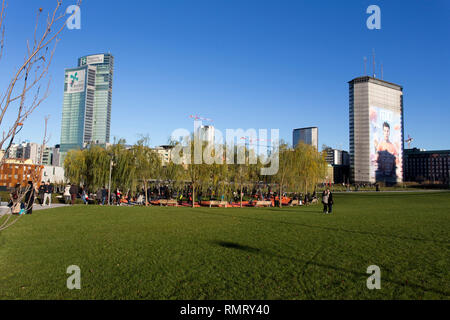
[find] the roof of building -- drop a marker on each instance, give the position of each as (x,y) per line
(377,81)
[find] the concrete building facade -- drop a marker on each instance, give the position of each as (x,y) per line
(376,131)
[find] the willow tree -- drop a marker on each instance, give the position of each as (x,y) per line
(174,173)
(147,164)
(309,167)
(285,175)
(75,166)
(123,170)
(241,157)
(96,167)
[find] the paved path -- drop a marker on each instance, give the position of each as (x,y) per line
(37,207)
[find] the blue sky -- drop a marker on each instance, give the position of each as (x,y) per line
(247,63)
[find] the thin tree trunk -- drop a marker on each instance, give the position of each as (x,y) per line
(145,192)
(241,195)
(280,196)
(193,196)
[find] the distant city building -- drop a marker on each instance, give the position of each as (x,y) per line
(56,157)
(376,131)
(165,153)
(47,157)
(340,162)
(306,135)
(19,171)
(50,156)
(337,157)
(25,151)
(54,174)
(206,133)
(432,166)
(86,117)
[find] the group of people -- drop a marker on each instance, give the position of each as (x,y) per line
(22,198)
(327,201)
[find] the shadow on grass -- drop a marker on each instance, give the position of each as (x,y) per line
(237,246)
(325,228)
(310,261)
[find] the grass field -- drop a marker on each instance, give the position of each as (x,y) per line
(252,253)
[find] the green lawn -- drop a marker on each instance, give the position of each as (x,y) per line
(202,253)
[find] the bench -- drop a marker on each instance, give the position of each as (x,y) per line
(263,204)
(164,202)
(214,203)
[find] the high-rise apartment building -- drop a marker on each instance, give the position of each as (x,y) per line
(376,131)
(86,115)
(306,135)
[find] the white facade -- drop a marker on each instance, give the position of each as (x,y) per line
(54,174)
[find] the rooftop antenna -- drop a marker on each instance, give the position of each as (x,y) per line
(382,71)
(373,62)
(365,66)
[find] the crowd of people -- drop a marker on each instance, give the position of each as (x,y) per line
(23,198)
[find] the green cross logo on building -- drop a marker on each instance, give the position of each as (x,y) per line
(74,78)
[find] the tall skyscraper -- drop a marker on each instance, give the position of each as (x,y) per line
(306,135)
(376,130)
(86,115)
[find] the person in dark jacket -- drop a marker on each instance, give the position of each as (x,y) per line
(29,198)
(73,193)
(327,200)
(48,193)
(41,193)
(104,195)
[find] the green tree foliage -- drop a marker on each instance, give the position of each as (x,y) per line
(300,169)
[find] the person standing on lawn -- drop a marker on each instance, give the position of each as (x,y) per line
(67,194)
(327,200)
(73,193)
(29,198)
(48,193)
(41,193)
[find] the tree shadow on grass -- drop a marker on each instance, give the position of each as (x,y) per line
(327,228)
(306,263)
(236,246)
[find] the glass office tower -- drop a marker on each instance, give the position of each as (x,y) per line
(86,115)
(306,135)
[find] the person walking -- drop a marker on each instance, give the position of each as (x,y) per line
(84,196)
(98,196)
(330,202)
(67,194)
(104,195)
(48,193)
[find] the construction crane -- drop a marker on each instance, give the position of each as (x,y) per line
(198,118)
(408,141)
